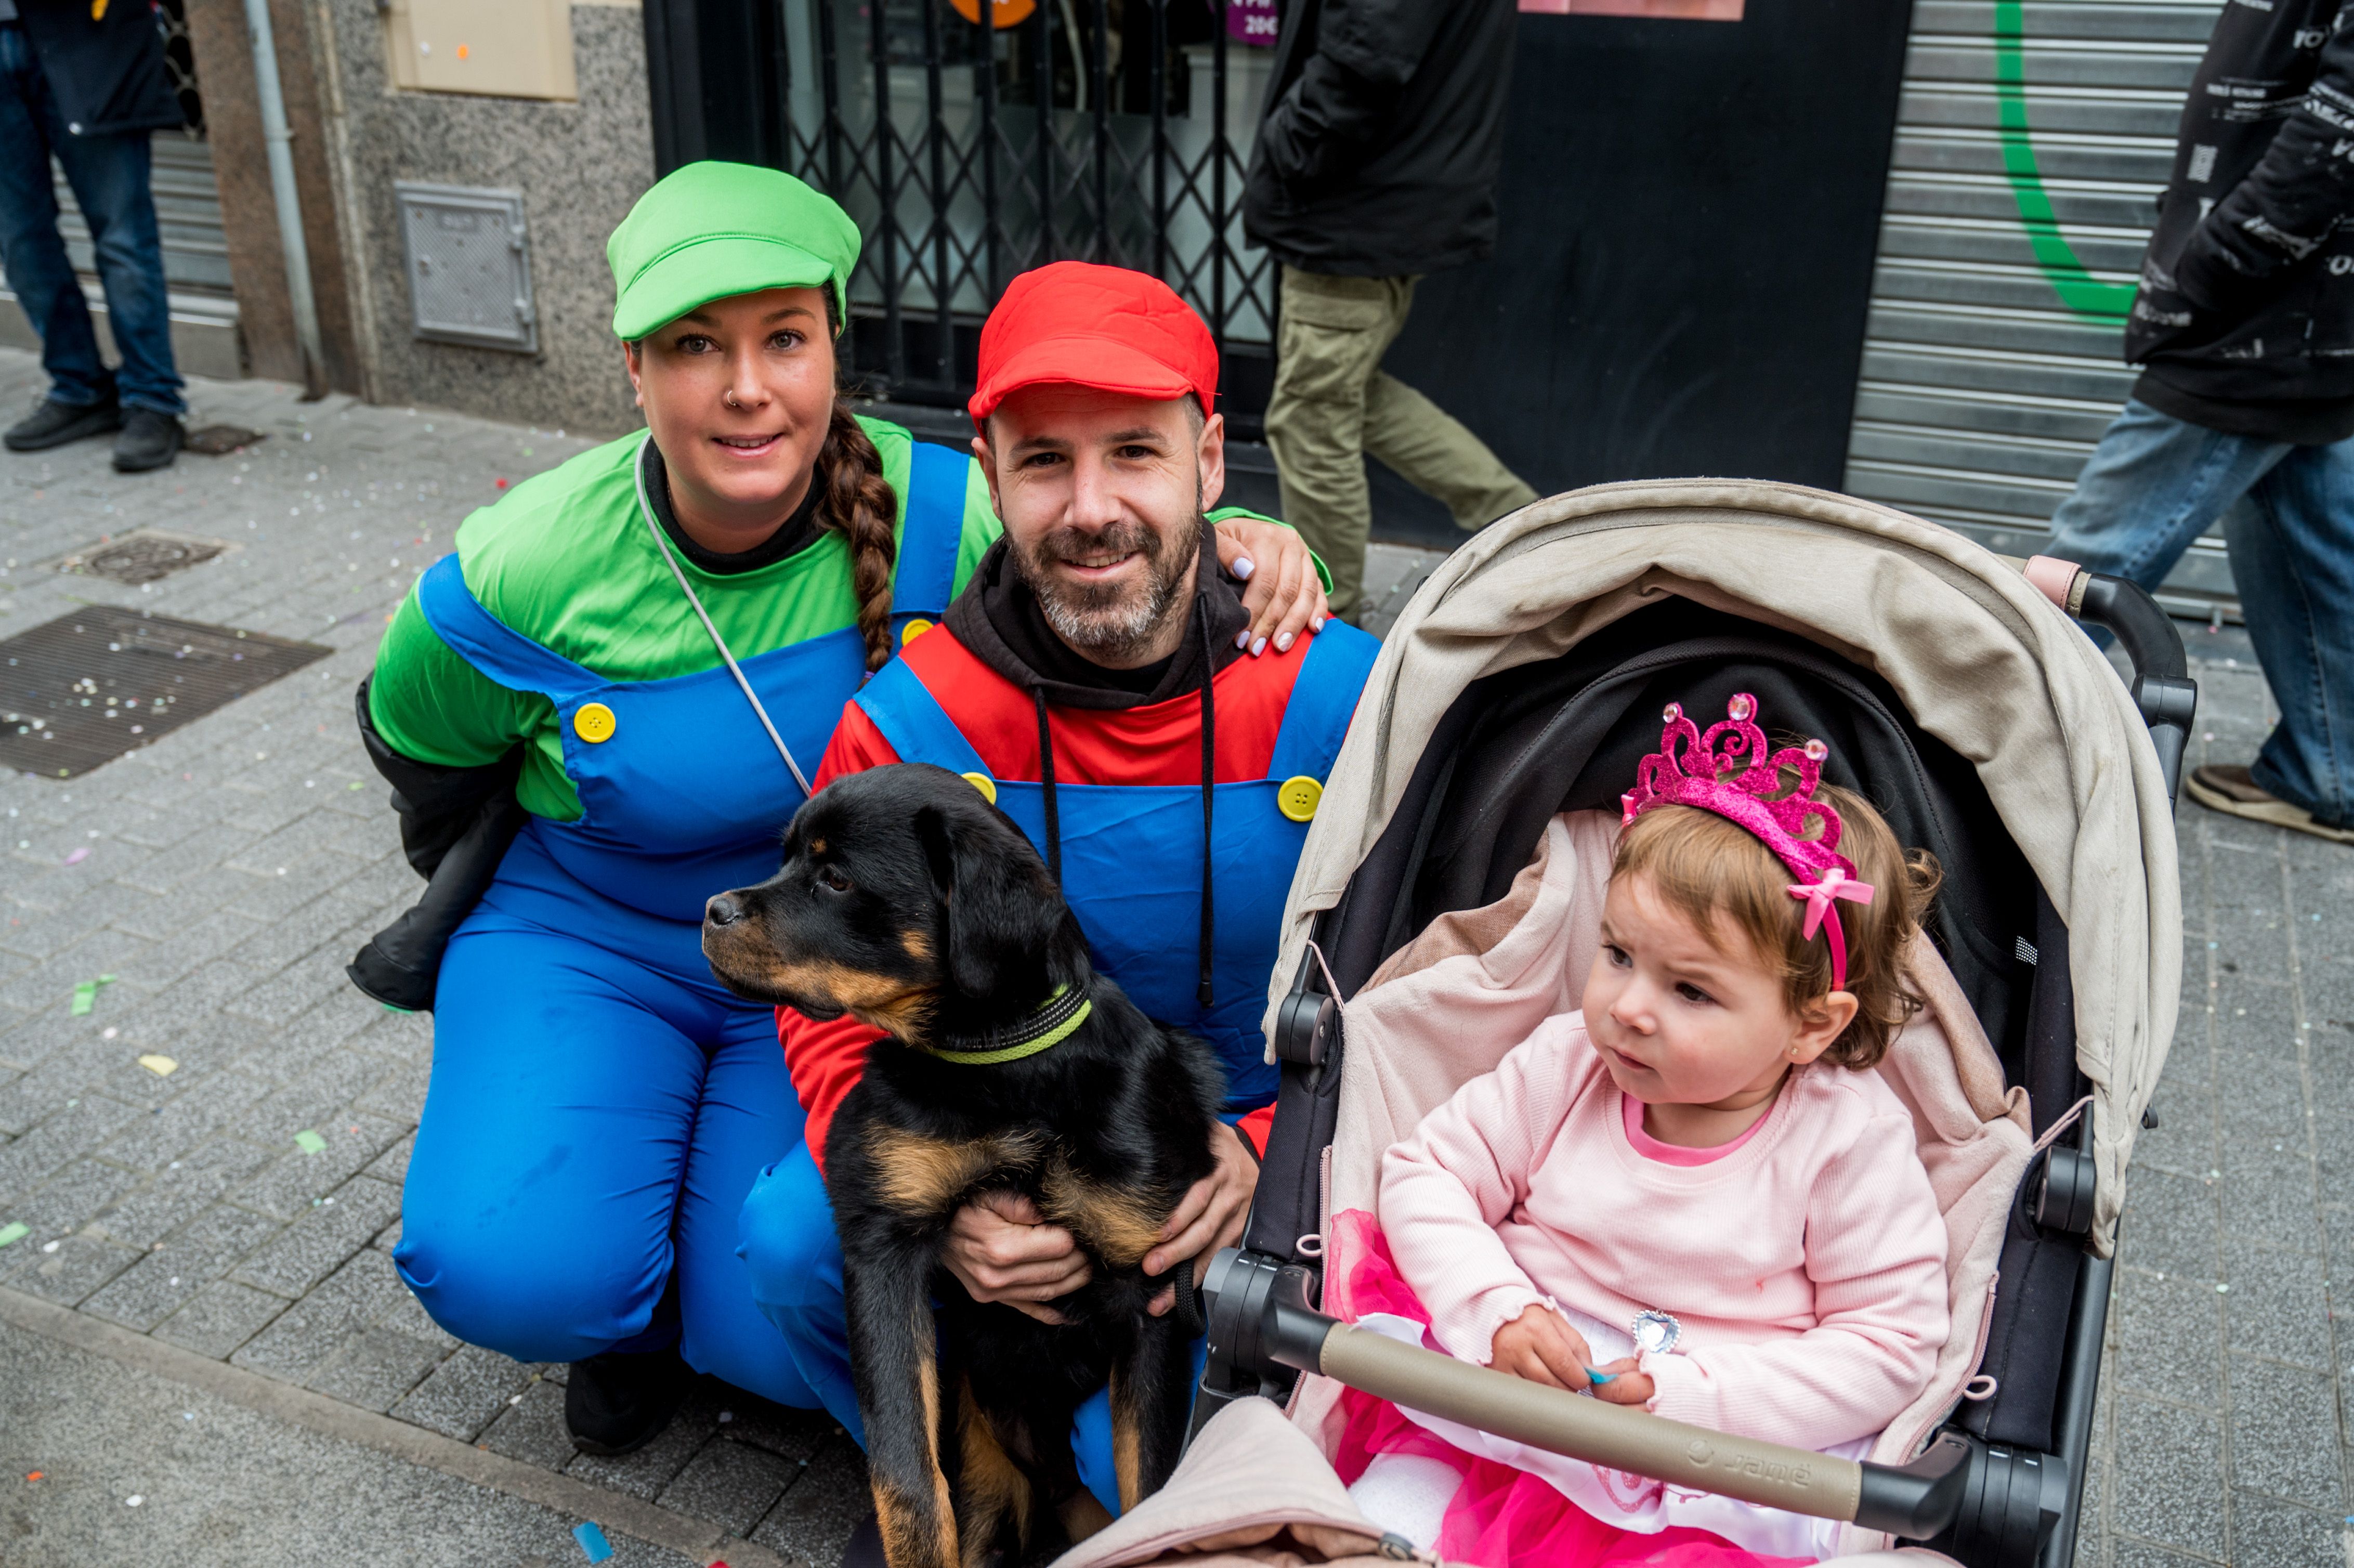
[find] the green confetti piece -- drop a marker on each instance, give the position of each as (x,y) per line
(310,1142)
(14,1231)
(85,995)
(355,784)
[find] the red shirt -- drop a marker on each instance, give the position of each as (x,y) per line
(1157,743)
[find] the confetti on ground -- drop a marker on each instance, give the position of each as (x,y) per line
(592,1542)
(85,995)
(134,1500)
(78,856)
(162,1066)
(355,784)
(310,1142)
(14,1231)
(109,1032)
(36,1474)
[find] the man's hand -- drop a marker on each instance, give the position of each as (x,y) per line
(1280,589)
(1002,1249)
(1210,1217)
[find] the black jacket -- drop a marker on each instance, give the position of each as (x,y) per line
(2246,314)
(106,72)
(1383,130)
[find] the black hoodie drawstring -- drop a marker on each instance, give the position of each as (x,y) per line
(1205,992)
(1047,777)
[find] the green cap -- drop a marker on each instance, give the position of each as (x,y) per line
(710,231)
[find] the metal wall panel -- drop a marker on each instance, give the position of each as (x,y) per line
(1992,364)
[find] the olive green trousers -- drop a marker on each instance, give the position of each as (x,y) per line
(1333,405)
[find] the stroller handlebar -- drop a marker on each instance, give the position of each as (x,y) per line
(1912,1501)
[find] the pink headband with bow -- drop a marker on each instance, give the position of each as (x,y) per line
(1729,772)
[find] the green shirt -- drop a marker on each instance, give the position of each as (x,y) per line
(566,559)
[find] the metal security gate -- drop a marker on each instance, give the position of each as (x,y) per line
(973,140)
(2032,140)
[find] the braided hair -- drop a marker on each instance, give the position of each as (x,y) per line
(860,503)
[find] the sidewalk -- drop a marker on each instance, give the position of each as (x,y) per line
(234,867)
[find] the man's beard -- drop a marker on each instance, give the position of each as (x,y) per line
(1109,620)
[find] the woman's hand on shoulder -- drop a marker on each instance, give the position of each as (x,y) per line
(1280,589)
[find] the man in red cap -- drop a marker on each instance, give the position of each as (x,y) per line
(1098,680)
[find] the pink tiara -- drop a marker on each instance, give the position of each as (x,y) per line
(1729,771)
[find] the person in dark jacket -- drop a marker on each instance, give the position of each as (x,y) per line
(1375,163)
(2244,410)
(84,80)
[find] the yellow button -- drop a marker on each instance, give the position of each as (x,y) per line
(594,723)
(914,630)
(985,784)
(1297,796)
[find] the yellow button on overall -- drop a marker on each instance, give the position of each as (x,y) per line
(594,723)
(914,630)
(1297,796)
(985,784)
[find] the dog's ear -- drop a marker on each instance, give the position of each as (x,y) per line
(1002,909)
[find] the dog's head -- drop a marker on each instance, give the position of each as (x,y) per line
(905,896)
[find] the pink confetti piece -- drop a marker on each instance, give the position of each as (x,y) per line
(78,856)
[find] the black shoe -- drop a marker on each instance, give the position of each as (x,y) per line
(148,440)
(617,1402)
(865,1548)
(53,424)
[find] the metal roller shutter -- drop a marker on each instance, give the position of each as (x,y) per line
(2032,140)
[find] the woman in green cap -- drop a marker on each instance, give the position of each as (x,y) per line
(600,711)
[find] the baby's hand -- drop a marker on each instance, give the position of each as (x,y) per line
(1627,1386)
(1542,1348)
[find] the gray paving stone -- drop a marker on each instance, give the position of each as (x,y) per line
(2173,1223)
(376,1368)
(223,1316)
(2269,1533)
(181,1190)
(812,1523)
(80,1125)
(2278,1305)
(732,1484)
(465,1393)
(2285,1440)
(315,1245)
(163,1281)
(291,1183)
(531,1428)
(2167,1339)
(2169,1465)
(81,1264)
(364,1292)
(646,1472)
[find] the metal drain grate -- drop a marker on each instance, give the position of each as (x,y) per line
(143,556)
(87,687)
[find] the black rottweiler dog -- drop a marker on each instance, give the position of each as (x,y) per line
(912,903)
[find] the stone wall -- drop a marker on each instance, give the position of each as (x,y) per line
(579,165)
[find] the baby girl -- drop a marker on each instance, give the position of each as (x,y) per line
(1692,1195)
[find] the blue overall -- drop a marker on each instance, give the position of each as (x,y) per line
(1131,860)
(600,1104)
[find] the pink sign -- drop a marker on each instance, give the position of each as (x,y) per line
(1669,10)
(1258,21)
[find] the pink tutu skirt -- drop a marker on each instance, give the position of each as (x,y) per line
(1500,1517)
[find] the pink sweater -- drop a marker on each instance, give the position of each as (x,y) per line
(1806,1265)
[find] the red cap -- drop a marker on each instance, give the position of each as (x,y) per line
(1079,324)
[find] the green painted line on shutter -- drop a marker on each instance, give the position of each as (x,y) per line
(2081,292)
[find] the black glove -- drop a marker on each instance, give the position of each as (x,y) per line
(455,826)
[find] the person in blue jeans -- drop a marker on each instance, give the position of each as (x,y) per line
(2245,325)
(86,84)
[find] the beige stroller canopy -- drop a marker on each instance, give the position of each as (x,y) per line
(1980,659)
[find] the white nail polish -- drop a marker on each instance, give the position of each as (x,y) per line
(1242,638)
(1317,624)
(1258,647)
(1283,643)
(1242,568)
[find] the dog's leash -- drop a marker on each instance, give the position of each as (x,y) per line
(1050,1025)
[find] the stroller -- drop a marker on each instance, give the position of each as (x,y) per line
(1507,711)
